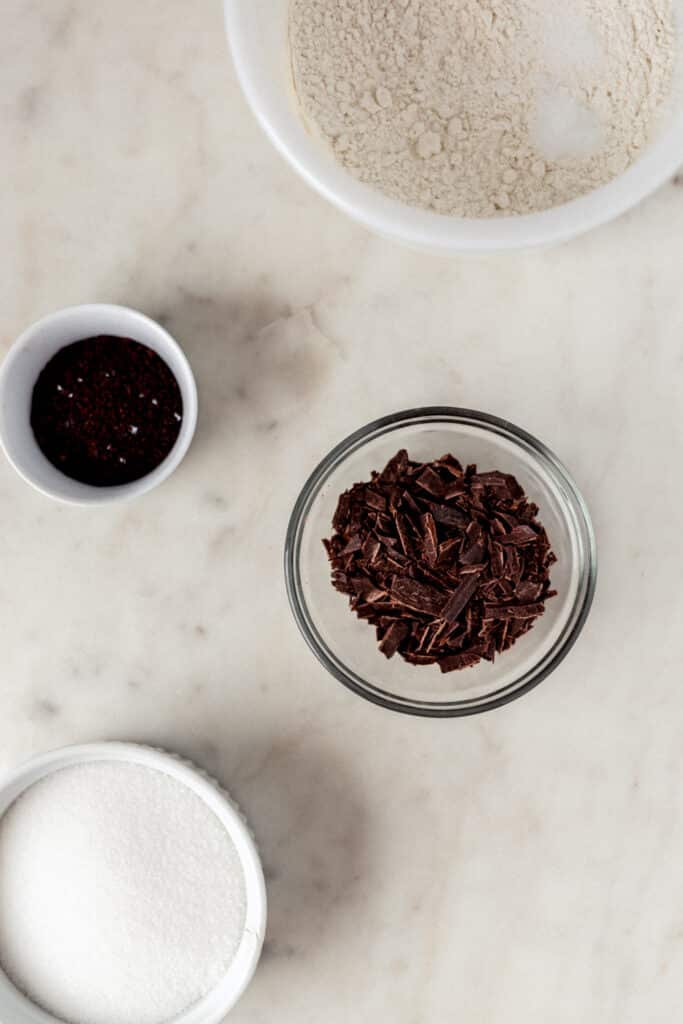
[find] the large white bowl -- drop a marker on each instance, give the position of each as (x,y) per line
(257,31)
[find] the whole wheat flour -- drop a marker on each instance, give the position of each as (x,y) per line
(481,108)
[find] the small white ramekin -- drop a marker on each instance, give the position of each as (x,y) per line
(258,36)
(15,1007)
(22,366)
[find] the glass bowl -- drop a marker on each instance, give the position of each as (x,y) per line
(347,646)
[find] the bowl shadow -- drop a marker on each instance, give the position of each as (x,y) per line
(255,359)
(309,820)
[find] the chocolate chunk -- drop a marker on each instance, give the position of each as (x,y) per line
(420,659)
(410,503)
(492,478)
(472,554)
(501,484)
(355,544)
(451,465)
(430,546)
(375,500)
(430,481)
(449,515)
(455,490)
(460,598)
(396,468)
(528,591)
(419,596)
(519,536)
(497,559)
(403,533)
(452,662)
(392,638)
(370,548)
(512,611)
(448,550)
(449,565)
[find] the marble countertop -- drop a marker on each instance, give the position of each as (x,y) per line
(517,868)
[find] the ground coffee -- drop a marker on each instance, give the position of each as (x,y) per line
(106,410)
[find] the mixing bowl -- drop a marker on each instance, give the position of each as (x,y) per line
(347,646)
(257,31)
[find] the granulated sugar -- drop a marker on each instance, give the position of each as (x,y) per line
(483,107)
(122,897)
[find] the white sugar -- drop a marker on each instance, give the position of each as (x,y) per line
(122,897)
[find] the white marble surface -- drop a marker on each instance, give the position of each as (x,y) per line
(519,868)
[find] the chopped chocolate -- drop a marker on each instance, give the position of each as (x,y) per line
(451,662)
(355,544)
(528,591)
(455,491)
(449,515)
(420,659)
(431,550)
(418,596)
(375,500)
(450,565)
(430,481)
(396,468)
(460,598)
(519,536)
(512,611)
(394,634)
(403,534)
(371,548)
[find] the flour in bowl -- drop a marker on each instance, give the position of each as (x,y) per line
(482,108)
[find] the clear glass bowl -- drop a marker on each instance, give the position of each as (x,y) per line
(347,646)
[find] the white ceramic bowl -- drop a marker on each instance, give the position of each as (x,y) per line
(17,1009)
(22,366)
(257,31)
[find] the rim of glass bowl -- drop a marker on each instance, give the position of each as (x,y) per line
(575,506)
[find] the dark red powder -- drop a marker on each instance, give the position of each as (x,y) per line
(106,410)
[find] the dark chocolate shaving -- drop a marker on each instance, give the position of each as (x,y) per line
(460,598)
(512,611)
(393,635)
(519,536)
(418,596)
(450,565)
(449,515)
(430,539)
(451,662)
(430,481)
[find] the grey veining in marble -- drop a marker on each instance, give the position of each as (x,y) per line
(522,868)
